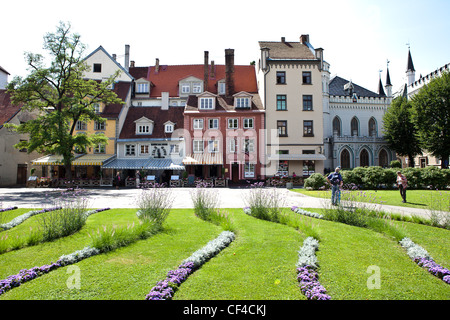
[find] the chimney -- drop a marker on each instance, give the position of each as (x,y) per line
(205,71)
(132,64)
(127,57)
(212,73)
(304,38)
(283,39)
(114,56)
(229,72)
(157,65)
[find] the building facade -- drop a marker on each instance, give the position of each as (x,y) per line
(291,83)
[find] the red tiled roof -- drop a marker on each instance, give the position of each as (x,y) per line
(7,110)
(166,80)
(174,114)
(112,111)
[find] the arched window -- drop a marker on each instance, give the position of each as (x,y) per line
(337,126)
(345,159)
(372,128)
(383,158)
(355,127)
(364,158)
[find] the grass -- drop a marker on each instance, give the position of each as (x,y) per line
(259,264)
(423,199)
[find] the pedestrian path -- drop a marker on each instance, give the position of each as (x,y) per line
(126,198)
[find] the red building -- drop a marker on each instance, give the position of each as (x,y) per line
(224,122)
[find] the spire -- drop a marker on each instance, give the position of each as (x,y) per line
(380,88)
(388,77)
(410,66)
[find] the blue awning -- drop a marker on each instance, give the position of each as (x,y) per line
(150,164)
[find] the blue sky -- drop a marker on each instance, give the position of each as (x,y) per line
(358,36)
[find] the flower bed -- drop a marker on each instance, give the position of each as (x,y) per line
(306,213)
(424,260)
(8,209)
(18,220)
(307,274)
(165,289)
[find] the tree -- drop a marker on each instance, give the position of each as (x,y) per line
(399,129)
(61,98)
(432,117)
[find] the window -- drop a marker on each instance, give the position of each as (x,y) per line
(81,125)
(206,103)
(100,148)
(213,123)
(364,158)
(174,148)
(233,145)
(354,127)
(308,128)
(242,103)
(281,77)
(198,123)
(97,67)
(282,128)
(307,103)
(249,145)
(249,170)
(142,88)
(130,150)
(96,107)
(168,128)
(221,87)
(213,146)
(248,123)
(143,129)
(307,77)
(99,125)
(197,87)
(185,88)
(233,123)
(144,149)
(372,128)
(283,167)
(281,102)
(337,126)
(198,146)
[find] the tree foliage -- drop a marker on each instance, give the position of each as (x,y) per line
(432,117)
(400,131)
(60,97)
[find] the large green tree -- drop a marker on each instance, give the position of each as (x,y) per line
(400,131)
(432,117)
(60,97)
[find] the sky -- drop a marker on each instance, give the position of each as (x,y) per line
(359,37)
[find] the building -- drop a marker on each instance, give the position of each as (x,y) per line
(3,78)
(409,89)
(292,79)
(353,123)
(224,120)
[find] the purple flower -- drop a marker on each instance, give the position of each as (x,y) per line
(309,284)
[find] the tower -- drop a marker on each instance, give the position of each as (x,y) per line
(410,71)
(388,85)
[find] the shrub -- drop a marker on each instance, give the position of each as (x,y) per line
(316,181)
(205,202)
(265,204)
(154,205)
(395,164)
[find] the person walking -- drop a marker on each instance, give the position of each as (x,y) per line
(336,182)
(402,184)
(117,180)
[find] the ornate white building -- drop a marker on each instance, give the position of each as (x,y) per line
(353,122)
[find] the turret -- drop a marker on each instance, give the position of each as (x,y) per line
(410,71)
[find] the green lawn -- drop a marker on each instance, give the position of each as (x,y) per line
(424,199)
(259,263)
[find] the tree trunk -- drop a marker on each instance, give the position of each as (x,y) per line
(411,162)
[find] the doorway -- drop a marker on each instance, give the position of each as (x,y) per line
(235,172)
(21,174)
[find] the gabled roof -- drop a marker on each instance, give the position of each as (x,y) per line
(3,70)
(100,48)
(156,114)
(337,85)
(288,50)
(168,77)
(7,109)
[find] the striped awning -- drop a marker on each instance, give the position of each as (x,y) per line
(303,157)
(92,160)
(206,158)
(150,164)
(50,160)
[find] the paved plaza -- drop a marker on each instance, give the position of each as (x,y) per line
(126,198)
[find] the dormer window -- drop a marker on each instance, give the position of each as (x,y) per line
(197,87)
(207,103)
(190,85)
(169,127)
(222,87)
(144,126)
(242,103)
(142,88)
